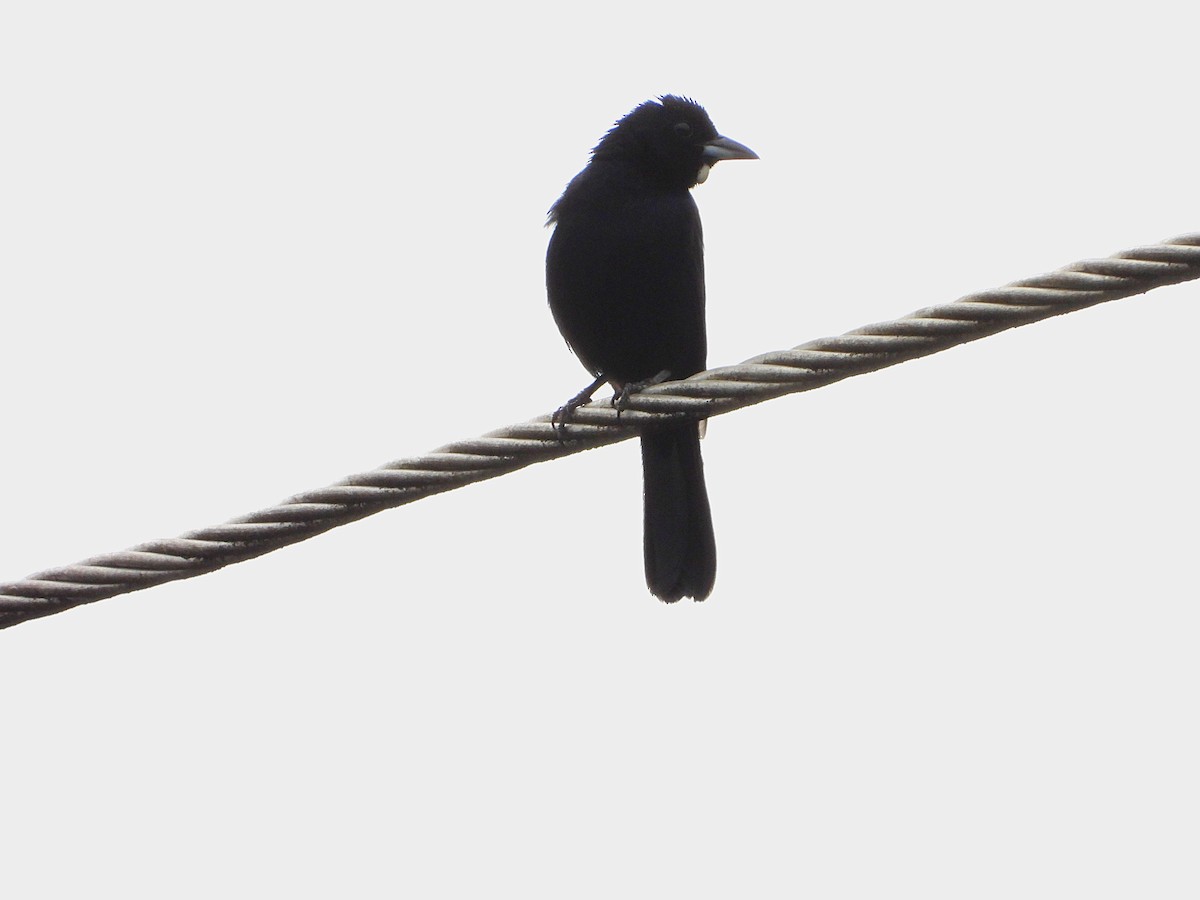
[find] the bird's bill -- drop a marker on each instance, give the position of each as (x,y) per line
(727,148)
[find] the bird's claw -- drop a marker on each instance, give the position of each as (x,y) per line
(562,416)
(620,400)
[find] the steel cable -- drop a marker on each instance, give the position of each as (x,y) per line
(710,393)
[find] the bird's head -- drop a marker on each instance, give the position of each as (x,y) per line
(671,140)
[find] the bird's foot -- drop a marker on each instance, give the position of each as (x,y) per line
(620,400)
(562,416)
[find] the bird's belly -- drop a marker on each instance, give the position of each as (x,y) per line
(629,310)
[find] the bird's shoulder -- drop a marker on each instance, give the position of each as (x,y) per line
(607,192)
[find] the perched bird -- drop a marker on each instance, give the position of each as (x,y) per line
(625,279)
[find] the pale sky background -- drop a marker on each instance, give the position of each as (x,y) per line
(250,248)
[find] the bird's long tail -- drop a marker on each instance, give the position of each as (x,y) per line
(681,552)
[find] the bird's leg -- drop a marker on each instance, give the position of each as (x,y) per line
(563,415)
(620,400)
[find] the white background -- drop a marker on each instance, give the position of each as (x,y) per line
(249,248)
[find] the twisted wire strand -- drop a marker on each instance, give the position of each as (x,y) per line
(709,393)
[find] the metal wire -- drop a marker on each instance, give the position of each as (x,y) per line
(710,393)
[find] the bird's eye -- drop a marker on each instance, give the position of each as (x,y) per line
(683,129)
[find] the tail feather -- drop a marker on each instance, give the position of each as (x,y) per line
(680,550)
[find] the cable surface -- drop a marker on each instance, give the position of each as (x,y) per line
(707,394)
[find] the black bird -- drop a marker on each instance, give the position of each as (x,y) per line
(625,278)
